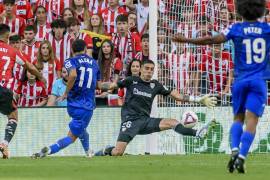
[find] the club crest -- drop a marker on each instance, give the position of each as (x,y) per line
(152,85)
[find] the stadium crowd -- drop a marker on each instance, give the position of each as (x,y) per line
(116,32)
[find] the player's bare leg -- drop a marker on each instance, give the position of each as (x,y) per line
(166,124)
(9,133)
(235,133)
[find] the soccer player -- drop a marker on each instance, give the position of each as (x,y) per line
(135,114)
(80,93)
(8,57)
(249,92)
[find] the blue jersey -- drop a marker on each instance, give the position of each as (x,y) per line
(252,44)
(82,94)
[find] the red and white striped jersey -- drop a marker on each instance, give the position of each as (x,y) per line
(61,48)
(188,30)
(109,18)
(42,30)
(31,94)
(126,48)
(24,10)
(31,50)
(181,66)
(54,8)
(95,7)
(16,25)
(8,57)
(49,72)
(19,73)
(217,69)
(87,39)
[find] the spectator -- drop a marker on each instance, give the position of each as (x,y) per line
(110,67)
(23,10)
(218,65)
(16,24)
(133,70)
(144,54)
(109,16)
(74,32)
(142,9)
(67,13)
(42,27)
(48,64)
(125,44)
(30,45)
(32,92)
(132,25)
(18,73)
(97,6)
(96,26)
(81,12)
(60,40)
(58,89)
(54,8)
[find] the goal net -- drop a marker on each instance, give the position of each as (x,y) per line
(197,70)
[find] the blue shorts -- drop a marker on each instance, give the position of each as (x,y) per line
(80,120)
(249,95)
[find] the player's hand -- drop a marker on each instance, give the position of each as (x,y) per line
(208,101)
(179,38)
(62,98)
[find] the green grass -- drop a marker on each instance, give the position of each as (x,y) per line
(181,167)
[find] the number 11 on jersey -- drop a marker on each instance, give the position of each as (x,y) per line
(82,76)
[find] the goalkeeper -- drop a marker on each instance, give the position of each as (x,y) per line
(135,113)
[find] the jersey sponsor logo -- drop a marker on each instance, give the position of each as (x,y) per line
(135,82)
(152,85)
(141,93)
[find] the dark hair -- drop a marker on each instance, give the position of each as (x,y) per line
(122,18)
(147,61)
(72,21)
(59,23)
(4,29)
(9,2)
(101,57)
(129,73)
(251,9)
(14,38)
(30,28)
(145,36)
(78,46)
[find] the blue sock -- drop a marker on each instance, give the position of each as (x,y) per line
(61,144)
(84,138)
(246,141)
(236,132)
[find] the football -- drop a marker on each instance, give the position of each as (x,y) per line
(189,119)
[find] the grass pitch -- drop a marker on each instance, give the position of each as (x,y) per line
(180,167)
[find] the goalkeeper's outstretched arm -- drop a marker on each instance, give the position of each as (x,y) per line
(206,99)
(207,40)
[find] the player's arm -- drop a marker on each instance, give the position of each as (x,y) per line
(206,99)
(33,70)
(51,100)
(207,40)
(105,86)
(71,80)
